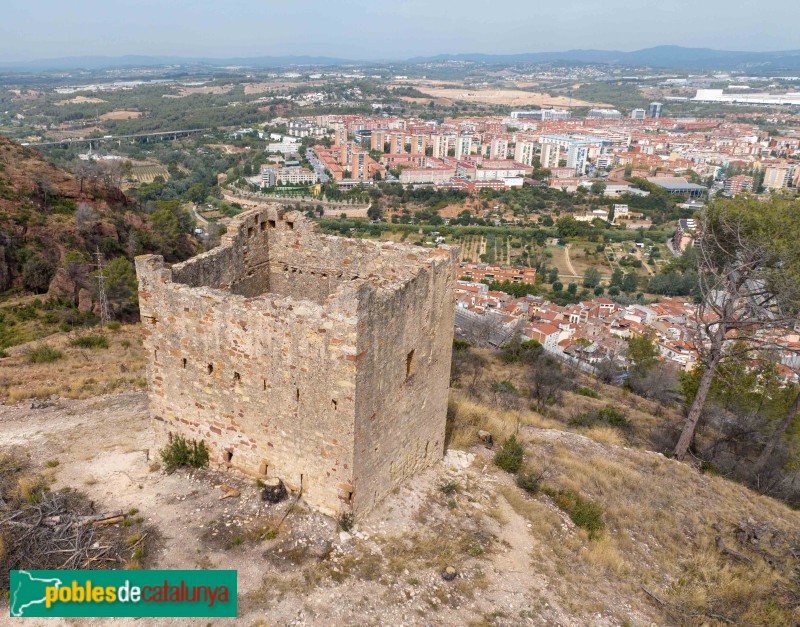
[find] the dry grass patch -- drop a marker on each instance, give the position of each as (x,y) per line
(660,517)
(80,372)
(466,417)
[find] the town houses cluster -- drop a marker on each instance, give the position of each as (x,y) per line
(677,154)
(591,332)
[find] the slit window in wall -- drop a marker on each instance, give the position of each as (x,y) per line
(264,383)
(264,226)
(250,231)
(271,224)
(297,394)
(210,368)
(411,364)
(350,498)
(237,378)
(183,362)
(155,354)
(334,404)
(290,225)
(227,457)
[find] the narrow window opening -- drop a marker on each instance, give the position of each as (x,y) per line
(297,394)
(210,368)
(263,226)
(271,223)
(184,363)
(227,457)
(334,404)
(250,231)
(264,381)
(350,498)
(410,364)
(155,354)
(237,378)
(290,225)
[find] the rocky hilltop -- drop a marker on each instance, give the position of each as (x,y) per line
(52,221)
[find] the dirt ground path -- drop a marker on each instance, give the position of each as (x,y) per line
(568,260)
(104,449)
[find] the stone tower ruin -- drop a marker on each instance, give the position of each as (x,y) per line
(320,360)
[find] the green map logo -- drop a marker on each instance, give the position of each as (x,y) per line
(111,593)
(28,590)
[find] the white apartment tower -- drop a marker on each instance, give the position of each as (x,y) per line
(498,149)
(525,152)
(440,145)
(463,145)
(550,155)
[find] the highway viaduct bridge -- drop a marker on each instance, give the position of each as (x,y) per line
(146,137)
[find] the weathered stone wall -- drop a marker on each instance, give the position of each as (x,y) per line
(405,341)
(286,350)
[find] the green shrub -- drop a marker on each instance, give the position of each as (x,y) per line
(530,482)
(451,487)
(461,345)
(509,456)
(37,273)
(584,513)
(90,341)
(25,313)
(65,327)
(44,354)
(607,415)
(114,325)
(583,419)
(614,417)
(587,392)
(708,468)
(182,452)
(346,521)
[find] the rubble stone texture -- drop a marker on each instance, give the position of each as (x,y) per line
(320,360)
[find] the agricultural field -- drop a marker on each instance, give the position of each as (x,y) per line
(490,249)
(502,97)
(583,255)
(79,100)
(121,115)
(148,173)
(472,247)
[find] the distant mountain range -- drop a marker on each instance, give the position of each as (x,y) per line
(138,61)
(675,57)
(669,57)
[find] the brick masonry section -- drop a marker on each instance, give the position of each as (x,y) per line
(320,360)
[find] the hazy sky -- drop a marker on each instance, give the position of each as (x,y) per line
(385,29)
